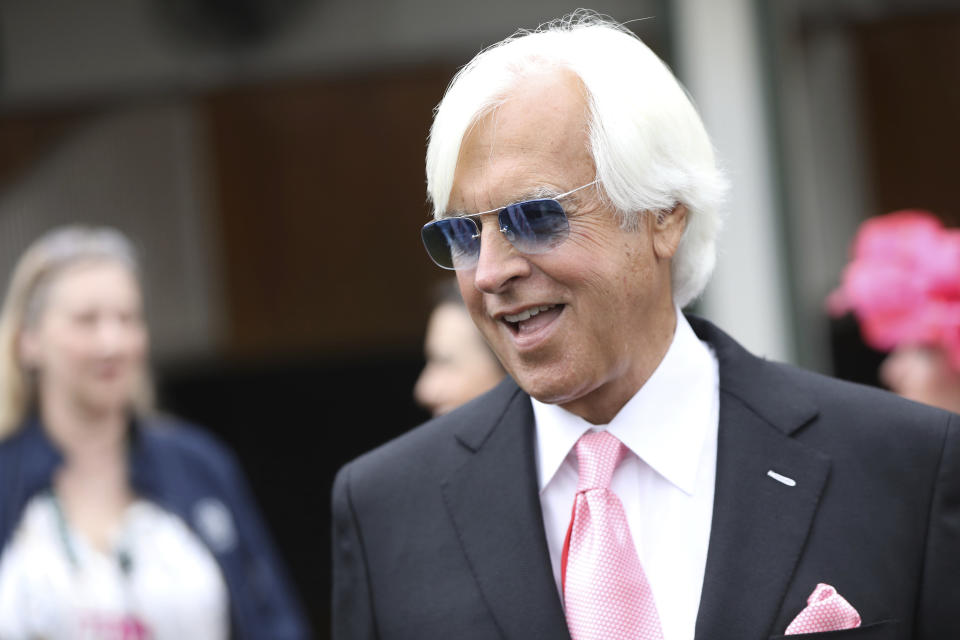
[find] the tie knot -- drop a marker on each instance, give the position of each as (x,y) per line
(598,454)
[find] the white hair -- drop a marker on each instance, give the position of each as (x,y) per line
(648,143)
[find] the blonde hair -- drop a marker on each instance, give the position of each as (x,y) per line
(42,263)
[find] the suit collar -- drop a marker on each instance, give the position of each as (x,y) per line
(760,524)
(759,384)
(493,502)
(484,414)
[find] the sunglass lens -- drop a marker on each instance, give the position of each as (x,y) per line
(536,226)
(452,243)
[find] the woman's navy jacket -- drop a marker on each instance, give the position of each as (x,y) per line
(190,474)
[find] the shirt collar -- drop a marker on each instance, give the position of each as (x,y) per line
(664,423)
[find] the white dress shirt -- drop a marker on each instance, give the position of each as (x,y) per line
(666,481)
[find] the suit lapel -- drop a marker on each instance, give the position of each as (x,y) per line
(495,507)
(760,524)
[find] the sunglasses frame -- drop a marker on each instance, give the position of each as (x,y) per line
(475,219)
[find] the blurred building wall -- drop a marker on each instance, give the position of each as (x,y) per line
(283,165)
(58,49)
(142,170)
(820,138)
(784,88)
(719,51)
(864,97)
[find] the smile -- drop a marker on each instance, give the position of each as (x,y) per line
(531,321)
(526,314)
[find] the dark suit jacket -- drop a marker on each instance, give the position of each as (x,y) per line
(439,533)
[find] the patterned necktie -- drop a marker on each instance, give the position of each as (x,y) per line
(606,593)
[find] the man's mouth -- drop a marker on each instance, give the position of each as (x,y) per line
(529,320)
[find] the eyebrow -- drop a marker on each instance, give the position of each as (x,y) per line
(535,193)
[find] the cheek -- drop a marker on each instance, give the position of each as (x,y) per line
(426,382)
(64,363)
(596,280)
(458,384)
(591,237)
(139,344)
(66,348)
(478,363)
(132,342)
(608,256)
(472,298)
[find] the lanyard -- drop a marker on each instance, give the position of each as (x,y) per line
(65,542)
(131,625)
(123,556)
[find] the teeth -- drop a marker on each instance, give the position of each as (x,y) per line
(528,313)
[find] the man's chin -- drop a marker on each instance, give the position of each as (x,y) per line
(549,389)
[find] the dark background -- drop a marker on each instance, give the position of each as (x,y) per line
(292,424)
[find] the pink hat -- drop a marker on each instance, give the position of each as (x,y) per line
(903,283)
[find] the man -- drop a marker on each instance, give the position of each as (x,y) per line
(638,475)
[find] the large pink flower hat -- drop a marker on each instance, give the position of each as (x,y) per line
(903,283)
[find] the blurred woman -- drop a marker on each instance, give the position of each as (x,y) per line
(114,523)
(903,286)
(924,374)
(460,366)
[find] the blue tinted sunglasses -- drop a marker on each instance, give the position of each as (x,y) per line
(532,226)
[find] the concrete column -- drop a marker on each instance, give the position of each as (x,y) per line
(718,59)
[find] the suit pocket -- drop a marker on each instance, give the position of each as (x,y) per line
(886,630)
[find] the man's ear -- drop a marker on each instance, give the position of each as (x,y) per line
(667,229)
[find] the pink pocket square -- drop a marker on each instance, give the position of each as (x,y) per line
(826,610)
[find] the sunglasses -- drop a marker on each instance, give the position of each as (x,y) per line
(531,226)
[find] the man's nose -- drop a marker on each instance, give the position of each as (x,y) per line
(499,261)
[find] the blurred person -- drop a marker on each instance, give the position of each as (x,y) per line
(638,475)
(115,522)
(923,374)
(460,365)
(903,286)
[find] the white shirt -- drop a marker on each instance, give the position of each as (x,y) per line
(666,481)
(171,583)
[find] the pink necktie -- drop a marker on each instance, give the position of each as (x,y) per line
(606,593)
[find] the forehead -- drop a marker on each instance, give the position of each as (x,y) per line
(93,280)
(450,323)
(535,140)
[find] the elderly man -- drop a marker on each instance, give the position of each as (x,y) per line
(639,475)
